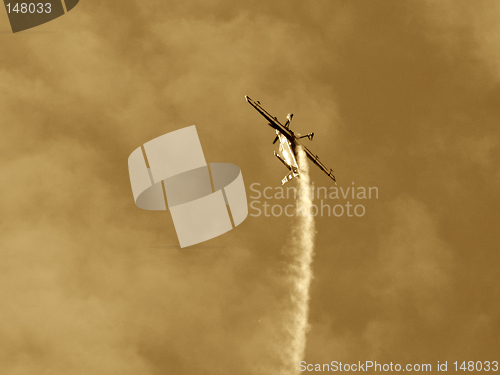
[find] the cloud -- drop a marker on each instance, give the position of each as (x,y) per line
(415,263)
(459,21)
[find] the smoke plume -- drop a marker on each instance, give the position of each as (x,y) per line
(301,252)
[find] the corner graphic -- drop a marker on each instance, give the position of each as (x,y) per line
(173,166)
(25,14)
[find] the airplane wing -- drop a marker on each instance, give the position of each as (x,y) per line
(315,160)
(273,121)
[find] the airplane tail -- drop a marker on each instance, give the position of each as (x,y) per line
(289,176)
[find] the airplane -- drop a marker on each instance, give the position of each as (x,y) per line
(289,143)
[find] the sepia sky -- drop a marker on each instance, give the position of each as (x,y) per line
(402,96)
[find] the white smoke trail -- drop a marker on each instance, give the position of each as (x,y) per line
(301,252)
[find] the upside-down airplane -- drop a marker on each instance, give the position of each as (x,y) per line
(289,143)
